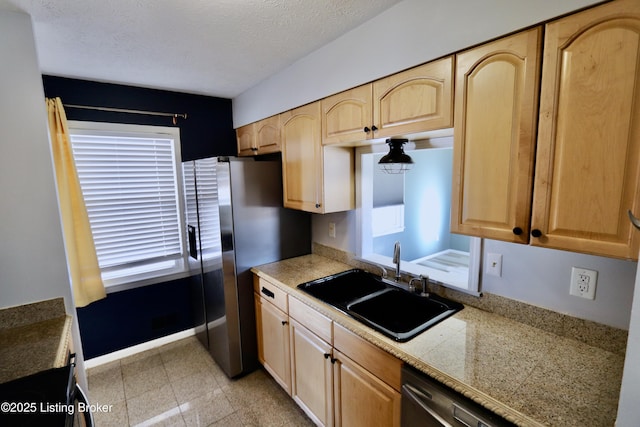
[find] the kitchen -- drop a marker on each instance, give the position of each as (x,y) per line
(539,281)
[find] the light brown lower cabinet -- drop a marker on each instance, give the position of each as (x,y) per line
(272,325)
(362,399)
(332,388)
(336,377)
(312,376)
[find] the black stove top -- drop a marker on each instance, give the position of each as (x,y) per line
(41,399)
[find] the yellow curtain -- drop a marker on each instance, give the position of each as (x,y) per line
(81,252)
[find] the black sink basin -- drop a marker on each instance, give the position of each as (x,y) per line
(343,288)
(400,314)
(375,302)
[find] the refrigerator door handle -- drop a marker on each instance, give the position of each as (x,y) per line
(193,248)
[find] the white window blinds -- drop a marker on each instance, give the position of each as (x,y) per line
(131,193)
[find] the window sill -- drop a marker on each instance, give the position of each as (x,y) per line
(192,268)
(138,283)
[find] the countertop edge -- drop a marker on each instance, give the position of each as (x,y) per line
(65,343)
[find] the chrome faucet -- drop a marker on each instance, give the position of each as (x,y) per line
(424,285)
(396,260)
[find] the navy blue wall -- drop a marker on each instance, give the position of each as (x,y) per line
(131,317)
(207,130)
(138,315)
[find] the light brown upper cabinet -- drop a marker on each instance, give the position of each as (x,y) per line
(494,137)
(409,102)
(587,159)
(588,156)
(261,137)
(315,178)
(347,116)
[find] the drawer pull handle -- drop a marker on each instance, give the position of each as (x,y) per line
(268,293)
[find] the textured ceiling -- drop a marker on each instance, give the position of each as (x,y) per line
(212,47)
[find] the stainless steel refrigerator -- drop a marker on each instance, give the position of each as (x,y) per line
(235,221)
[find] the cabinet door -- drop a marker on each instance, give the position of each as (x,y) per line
(361,399)
(416,100)
(246,140)
(268,135)
(588,155)
(312,374)
(494,137)
(347,116)
(272,327)
(302,158)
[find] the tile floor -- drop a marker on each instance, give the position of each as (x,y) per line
(179,384)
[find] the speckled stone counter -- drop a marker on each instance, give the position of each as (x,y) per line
(527,375)
(33,337)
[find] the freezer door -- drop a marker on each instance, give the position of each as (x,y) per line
(203,233)
(222,295)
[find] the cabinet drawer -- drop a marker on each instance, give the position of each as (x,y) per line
(316,322)
(271,293)
(375,360)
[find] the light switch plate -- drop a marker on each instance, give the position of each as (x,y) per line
(332,229)
(494,264)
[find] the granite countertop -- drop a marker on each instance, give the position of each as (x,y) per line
(33,338)
(529,376)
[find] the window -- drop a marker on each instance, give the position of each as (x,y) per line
(414,209)
(129,177)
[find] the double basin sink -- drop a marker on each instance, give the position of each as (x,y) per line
(376,302)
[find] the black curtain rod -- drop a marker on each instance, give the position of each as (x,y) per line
(122,110)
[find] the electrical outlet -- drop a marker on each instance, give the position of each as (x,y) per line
(332,229)
(583,282)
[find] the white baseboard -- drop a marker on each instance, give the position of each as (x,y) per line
(129,351)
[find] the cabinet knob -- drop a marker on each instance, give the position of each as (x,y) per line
(284,322)
(254,149)
(536,233)
(366,129)
(317,205)
(374,128)
(517,231)
(327,355)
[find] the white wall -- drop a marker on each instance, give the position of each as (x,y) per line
(33,266)
(409,33)
(541,277)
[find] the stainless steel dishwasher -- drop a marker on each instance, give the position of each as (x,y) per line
(427,403)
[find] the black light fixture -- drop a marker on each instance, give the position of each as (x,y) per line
(396,161)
